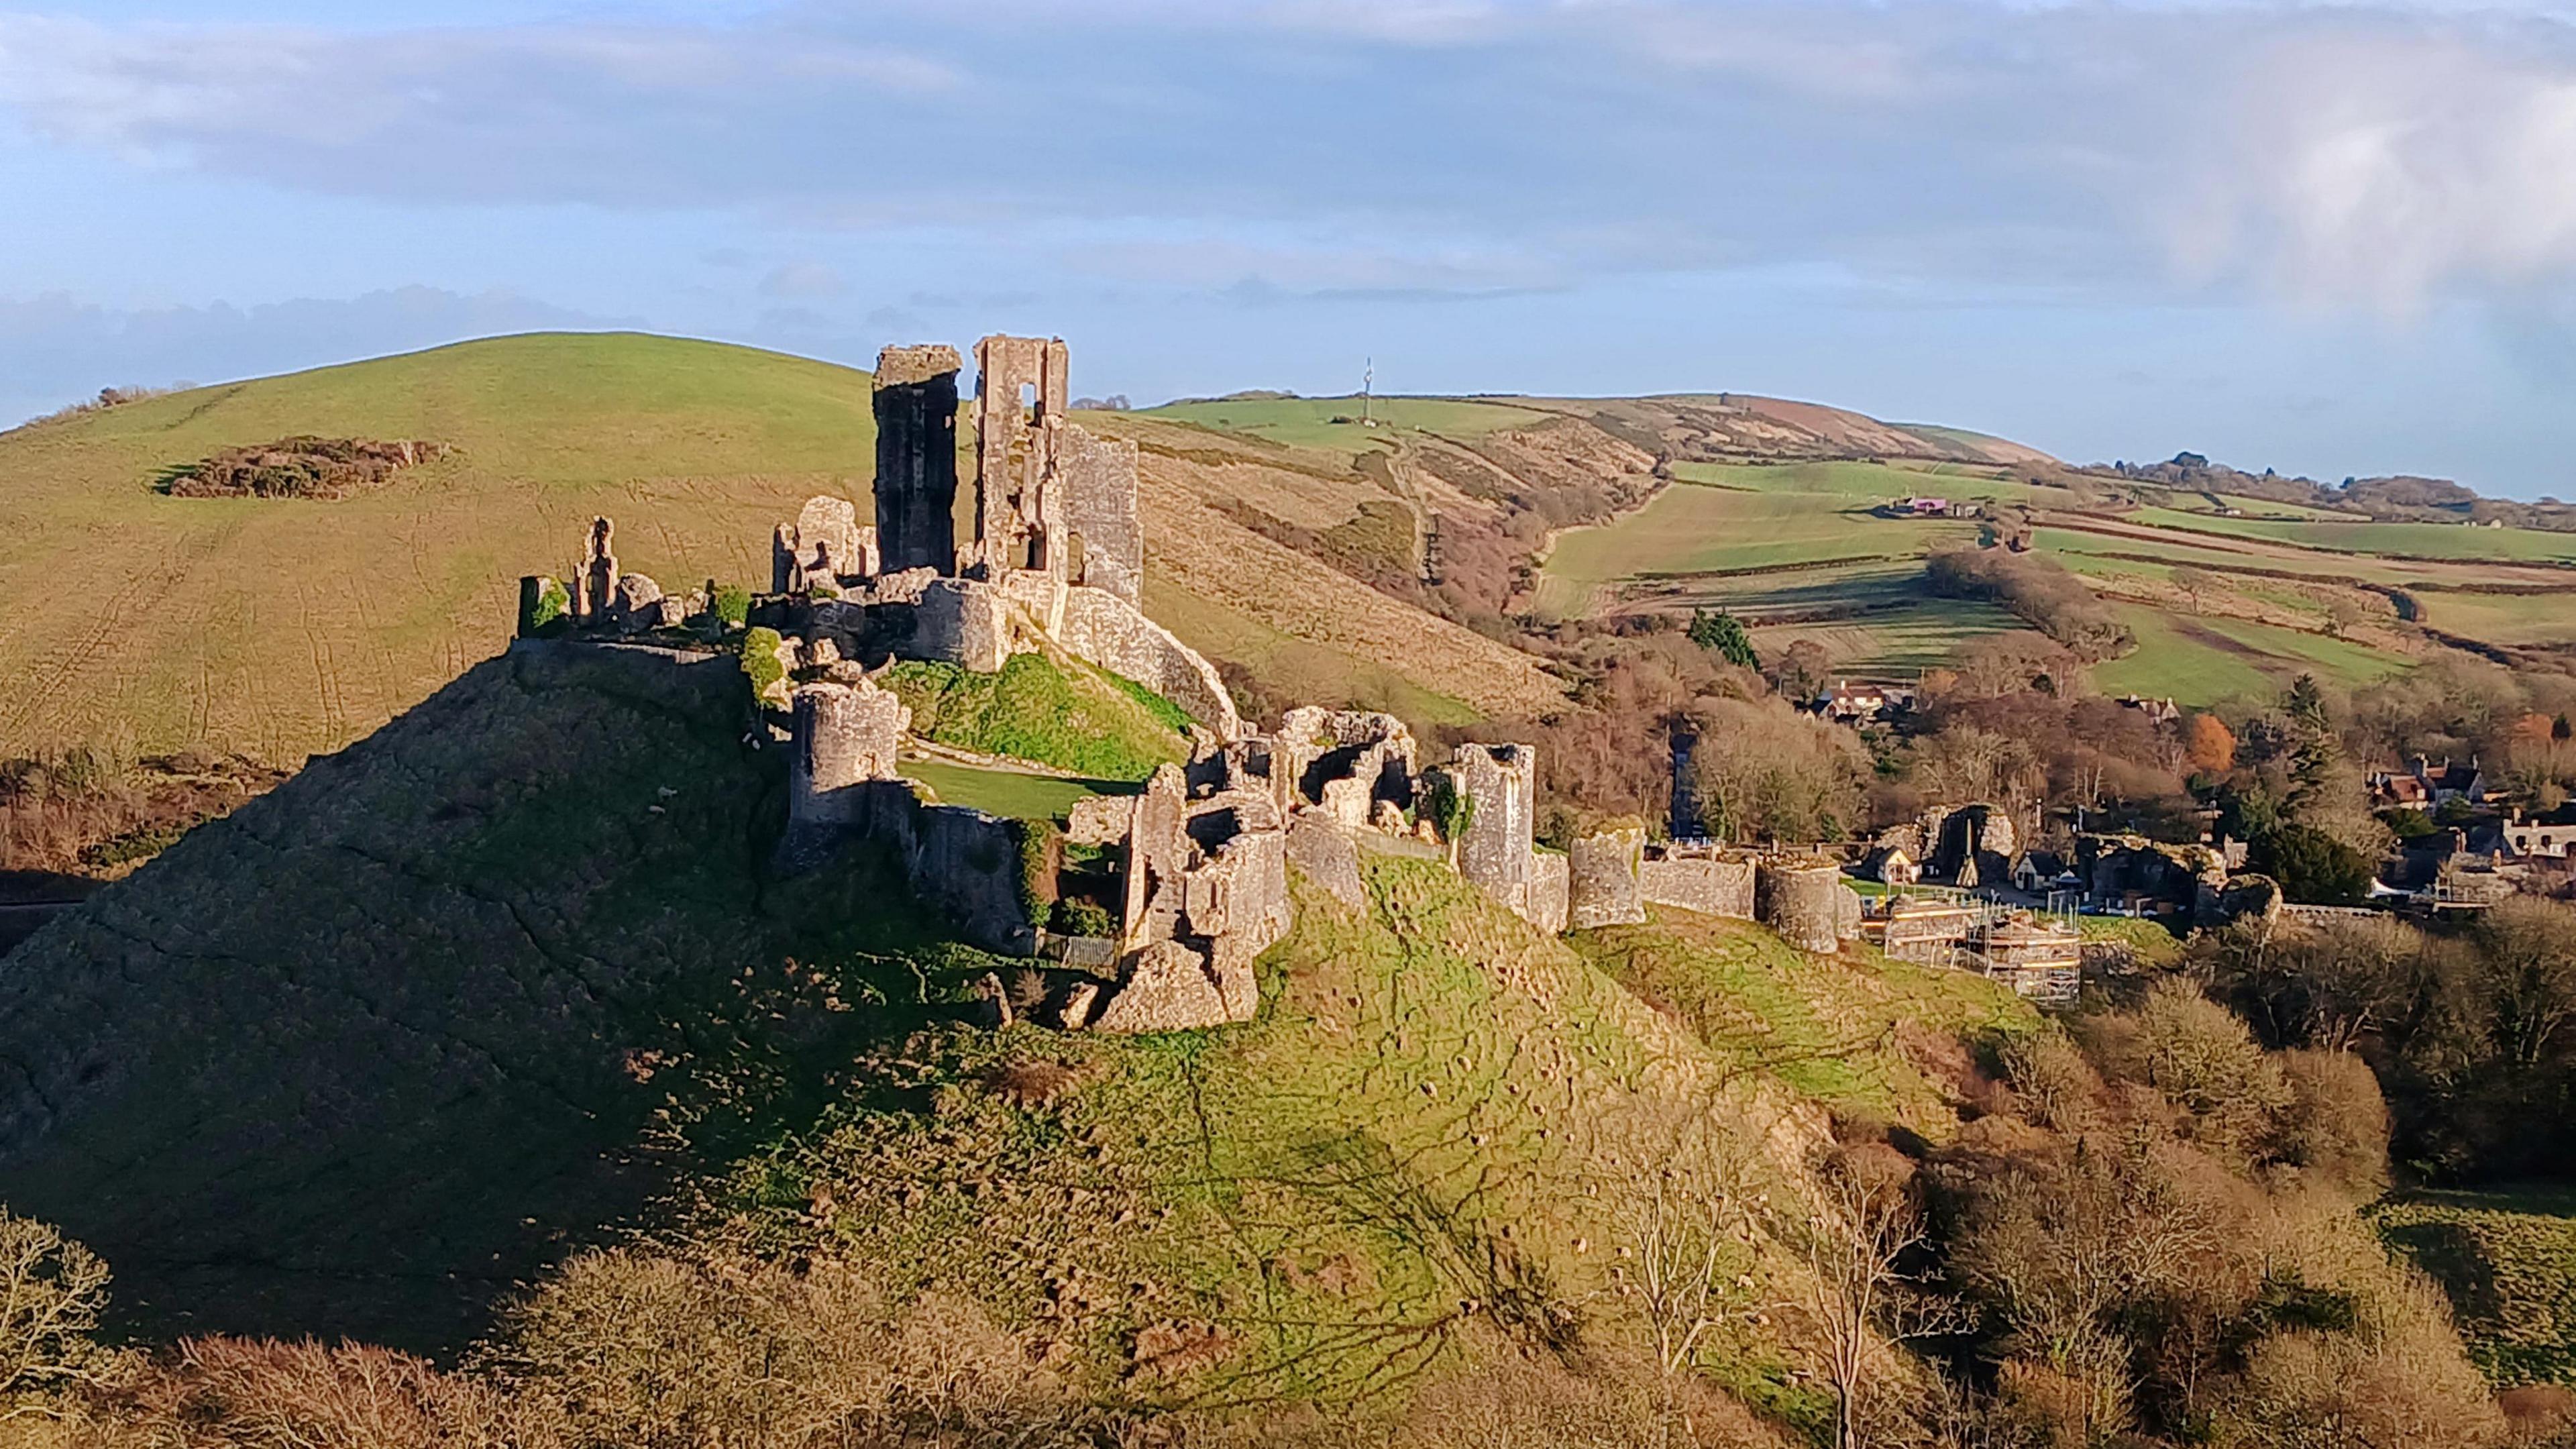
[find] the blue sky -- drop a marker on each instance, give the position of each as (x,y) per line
(2330,239)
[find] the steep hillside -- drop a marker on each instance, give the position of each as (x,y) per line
(284,626)
(380,1043)
(512,973)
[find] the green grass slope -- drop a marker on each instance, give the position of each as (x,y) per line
(511,974)
(288,626)
(1434,1134)
(284,627)
(1057,712)
(2508,1262)
(383,1042)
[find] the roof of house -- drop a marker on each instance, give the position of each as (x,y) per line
(2046,863)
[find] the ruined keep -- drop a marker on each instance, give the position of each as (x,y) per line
(1496,851)
(916,486)
(1020,401)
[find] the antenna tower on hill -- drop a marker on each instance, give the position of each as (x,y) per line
(1368,394)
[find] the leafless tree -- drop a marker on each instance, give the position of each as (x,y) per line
(1860,1294)
(52,1292)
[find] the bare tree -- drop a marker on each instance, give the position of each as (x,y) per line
(1860,1295)
(52,1292)
(1691,1235)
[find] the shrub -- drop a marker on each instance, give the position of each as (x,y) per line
(760,664)
(1451,810)
(1722,634)
(731,604)
(234,1393)
(1076,917)
(1041,847)
(2335,1123)
(2049,1074)
(2201,1057)
(52,1293)
(716,1348)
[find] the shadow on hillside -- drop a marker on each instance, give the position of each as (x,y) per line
(449,1004)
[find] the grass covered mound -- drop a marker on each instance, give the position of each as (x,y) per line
(1854,1031)
(2507,1260)
(379,1044)
(1051,711)
(305,467)
(1428,1141)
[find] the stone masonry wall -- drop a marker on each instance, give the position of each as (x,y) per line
(963,622)
(1602,879)
(844,735)
(1495,851)
(1710,885)
(916,487)
(1114,634)
(1105,534)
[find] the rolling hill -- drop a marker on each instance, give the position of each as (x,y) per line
(1385,563)
(288,627)
(507,979)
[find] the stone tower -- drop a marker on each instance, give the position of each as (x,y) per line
(916,408)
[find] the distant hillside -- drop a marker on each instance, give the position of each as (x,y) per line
(284,626)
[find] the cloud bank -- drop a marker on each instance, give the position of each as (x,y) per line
(2340,157)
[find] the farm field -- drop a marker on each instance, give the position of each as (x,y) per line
(2422,540)
(1897,643)
(1309,421)
(2514,619)
(2197,661)
(1696,528)
(1868,484)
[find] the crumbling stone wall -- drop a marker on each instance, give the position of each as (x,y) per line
(1495,852)
(1347,761)
(963,622)
(596,578)
(1019,517)
(1105,535)
(1602,888)
(1973,845)
(844,735)
(1707,882)
(823,547)
(1108,631)
(1325,852)
(1551,893)
(959,861)
(1801,901)
(1208,878)
(916,487)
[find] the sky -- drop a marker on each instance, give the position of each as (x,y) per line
(2335,240)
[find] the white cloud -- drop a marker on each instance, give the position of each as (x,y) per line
(2339,156)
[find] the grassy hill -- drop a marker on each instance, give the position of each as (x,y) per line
(285,627)
(2508,1261)
(379,1044)
(1284,538)
(2222,605)
(508,978)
